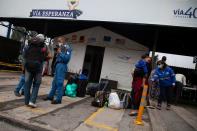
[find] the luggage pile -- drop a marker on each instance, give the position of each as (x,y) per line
(104,97)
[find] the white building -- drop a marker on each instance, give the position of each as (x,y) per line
(103,53)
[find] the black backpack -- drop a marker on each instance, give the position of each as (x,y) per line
(34,58)
(101,97)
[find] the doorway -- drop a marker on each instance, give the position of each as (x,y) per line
(93,62)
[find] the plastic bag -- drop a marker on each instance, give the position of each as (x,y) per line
(114,101)
(71,90)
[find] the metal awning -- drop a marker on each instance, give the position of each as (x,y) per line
(175,40)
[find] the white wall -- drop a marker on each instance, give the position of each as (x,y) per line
(118,60)
(118,65)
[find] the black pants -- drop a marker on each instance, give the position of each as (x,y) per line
(165,92)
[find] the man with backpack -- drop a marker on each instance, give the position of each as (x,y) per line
(63,57)
(34,56)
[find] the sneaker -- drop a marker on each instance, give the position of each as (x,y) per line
(159,107)
(17,93)
(55,102)
(32,105)
(168,107)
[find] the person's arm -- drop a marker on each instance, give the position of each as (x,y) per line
(155,77)
(65,56)
(173,78)
(49,56)
(184,81)
(144,81)
(25,50)
(132,72)
(145,69)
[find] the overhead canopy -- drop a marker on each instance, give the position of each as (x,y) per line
(174,20)
(175,40)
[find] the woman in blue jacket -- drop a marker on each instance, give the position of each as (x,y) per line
(165,76)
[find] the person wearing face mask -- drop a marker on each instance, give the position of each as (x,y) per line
(165,77)
(139,79)
(62,59)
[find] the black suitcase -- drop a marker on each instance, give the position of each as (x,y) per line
(81,90)
(92,88)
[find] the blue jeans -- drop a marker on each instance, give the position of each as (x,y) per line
(21,84)
(35,79)
(58,82)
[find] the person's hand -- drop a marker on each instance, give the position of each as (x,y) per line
(58,50)
(70,49)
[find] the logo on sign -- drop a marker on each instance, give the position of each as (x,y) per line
(72,12)
(186,13)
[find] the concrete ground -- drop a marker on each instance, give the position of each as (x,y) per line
(74,114)
(77,114)
(7,127)
(179,118)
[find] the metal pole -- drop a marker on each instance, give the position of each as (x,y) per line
(9,30)
(155,48)
(45,28)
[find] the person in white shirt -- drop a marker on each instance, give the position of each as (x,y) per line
(180,82)
(181,78)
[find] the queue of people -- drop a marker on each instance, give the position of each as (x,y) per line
(162,75)
(34,55)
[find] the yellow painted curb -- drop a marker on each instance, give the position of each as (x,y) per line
(90,122)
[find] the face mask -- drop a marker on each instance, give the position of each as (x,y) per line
(160,66)
(60,44)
